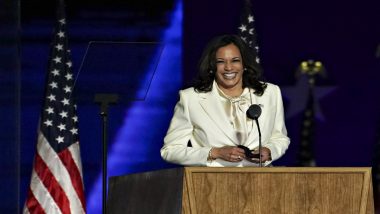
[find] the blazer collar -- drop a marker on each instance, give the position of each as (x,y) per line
(212,105)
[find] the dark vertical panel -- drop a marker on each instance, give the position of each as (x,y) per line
(9,106)
(144,193)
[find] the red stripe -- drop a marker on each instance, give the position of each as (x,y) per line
(32,204)
(51,184)
(75,175)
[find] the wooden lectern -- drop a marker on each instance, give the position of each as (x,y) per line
(270,190)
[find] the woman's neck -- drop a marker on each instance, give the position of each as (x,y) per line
(232,92)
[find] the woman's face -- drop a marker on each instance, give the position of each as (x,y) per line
(229,68)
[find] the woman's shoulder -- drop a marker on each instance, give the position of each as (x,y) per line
(189,90)
(192,93)
(271,88)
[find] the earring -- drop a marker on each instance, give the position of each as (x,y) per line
(245,69)
(210,71)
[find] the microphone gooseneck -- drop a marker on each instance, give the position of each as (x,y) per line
(254,113)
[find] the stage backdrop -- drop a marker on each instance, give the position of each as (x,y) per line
(343,36)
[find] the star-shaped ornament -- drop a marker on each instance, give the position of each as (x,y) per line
(298,97)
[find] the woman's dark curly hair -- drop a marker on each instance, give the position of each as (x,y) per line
(207,65)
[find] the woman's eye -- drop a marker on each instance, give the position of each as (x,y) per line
(219,62)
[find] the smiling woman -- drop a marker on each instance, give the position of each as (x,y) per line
(229,70)
(212,114)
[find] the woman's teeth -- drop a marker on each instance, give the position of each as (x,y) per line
(229,75)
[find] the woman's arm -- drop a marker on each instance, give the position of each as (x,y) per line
(279,141)
(175,149)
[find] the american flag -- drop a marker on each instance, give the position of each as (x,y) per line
(247,28)
(57,182)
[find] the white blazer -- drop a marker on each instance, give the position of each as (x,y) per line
(200,119)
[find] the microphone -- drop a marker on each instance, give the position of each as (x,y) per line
(254,113)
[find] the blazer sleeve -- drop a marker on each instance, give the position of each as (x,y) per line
(175,149)
(279,141)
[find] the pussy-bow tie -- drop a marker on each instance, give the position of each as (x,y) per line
(242,102)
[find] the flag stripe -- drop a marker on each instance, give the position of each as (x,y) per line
(59,170)
(33,204)
(76,157)
(52,185)
(42,195)
(75,176)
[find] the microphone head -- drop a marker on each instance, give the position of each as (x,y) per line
(254,112)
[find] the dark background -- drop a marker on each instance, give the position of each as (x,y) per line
(344,36)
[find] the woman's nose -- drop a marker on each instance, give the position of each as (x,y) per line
(227,66)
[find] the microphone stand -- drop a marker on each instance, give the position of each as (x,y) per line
(254,112)
(258,128)
(104,100)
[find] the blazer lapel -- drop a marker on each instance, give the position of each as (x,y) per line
(254,134)
(212,106)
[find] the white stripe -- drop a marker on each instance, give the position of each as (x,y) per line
(25,210)
(60,173)
(42,195)
(75,153)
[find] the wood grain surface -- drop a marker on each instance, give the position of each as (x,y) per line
(276,190)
